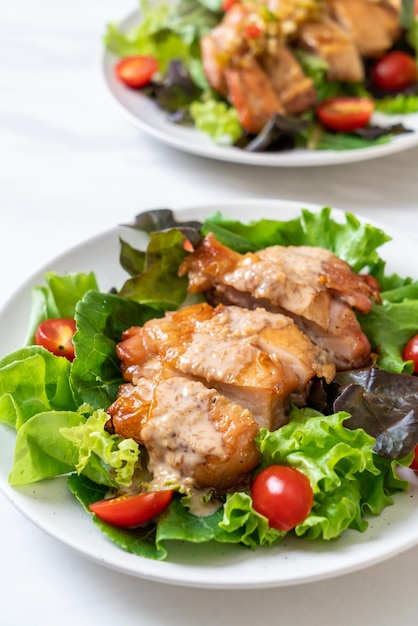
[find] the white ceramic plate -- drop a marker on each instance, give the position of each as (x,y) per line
(51,506)
(144,114)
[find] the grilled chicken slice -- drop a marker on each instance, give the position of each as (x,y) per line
(329,41)
(258,359)
(257,84)
(373,26)
(223,44)
(295,90)
(311,285)
(252,94)
(194,436)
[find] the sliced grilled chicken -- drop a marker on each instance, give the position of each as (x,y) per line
(295,90)
(252,94)
(202,381)
(258,359)
(373,26)
(329,41)
(311,285)
(194,436)
(223,44)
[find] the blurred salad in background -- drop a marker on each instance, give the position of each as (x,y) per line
(203,72)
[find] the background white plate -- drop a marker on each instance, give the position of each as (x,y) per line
(144,114)
(52,508)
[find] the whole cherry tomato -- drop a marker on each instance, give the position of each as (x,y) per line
(130,511)
(282,494)
(56,335)
(410,352)
(394,71)
(136,71)
(345,114)
(414,464)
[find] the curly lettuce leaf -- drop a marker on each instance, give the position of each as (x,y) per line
(217,119)
(119,455)
(53,443)
(341,466)
(353,241)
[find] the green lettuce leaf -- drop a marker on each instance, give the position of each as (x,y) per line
(401,104)
(217,119)
(345,474)
(58,298)
(53,443)
(101,319)
(32,380)
(159,286)
(392,324)
(119,455)
(167,30)
(40,451)
(138,541)
(353,241)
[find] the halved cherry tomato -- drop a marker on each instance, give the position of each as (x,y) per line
(282,494)
(56,335)
(130,511)
(394,71)
(410,352)
(414,464)
(345,113)
(136,71)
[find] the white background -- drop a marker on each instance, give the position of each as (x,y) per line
(70,167)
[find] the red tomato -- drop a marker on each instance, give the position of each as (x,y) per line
(414,464)
(410,352)
(394,71)
(345,113)
(227,4)
(136,71)
(129,511)
(282,494)
(251,31)
(56,335)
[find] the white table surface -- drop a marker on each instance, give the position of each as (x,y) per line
(72,166)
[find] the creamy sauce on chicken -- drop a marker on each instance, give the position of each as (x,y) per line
(216,360)
(180,433)
(181,424)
